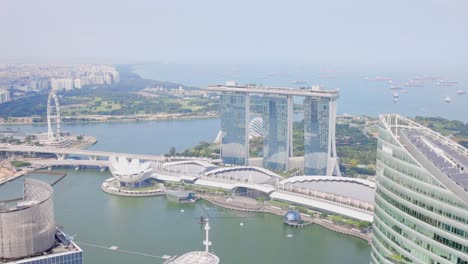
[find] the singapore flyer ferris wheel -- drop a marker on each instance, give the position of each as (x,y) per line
(53,115)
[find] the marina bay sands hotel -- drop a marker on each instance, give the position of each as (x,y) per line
(277,114)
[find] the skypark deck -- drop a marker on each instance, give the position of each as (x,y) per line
(288,91)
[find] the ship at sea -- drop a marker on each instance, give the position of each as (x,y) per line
(446,83)
(413,83)
(379,78)
(460,92)
(299,82)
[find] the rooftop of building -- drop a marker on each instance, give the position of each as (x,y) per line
(443,154)
(358,189)
(63,245)
(314,91)
(189,167)
(34,192)
(246,174)
(197,257)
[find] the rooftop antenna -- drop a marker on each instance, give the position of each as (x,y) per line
(207,242)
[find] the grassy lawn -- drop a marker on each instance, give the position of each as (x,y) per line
(93,106)
(18,163)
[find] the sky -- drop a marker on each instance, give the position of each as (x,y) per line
(358,32)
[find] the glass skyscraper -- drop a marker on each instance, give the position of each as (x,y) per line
(276,136)
(234,128)
(316,135)
(421,202)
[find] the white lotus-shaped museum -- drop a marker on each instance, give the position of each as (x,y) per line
(129,171)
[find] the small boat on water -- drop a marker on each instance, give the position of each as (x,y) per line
(414,84)
(379,78)
(460,92)
(203,220)
(448,99)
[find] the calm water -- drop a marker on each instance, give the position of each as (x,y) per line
(139,137)
(156,226)
(358,95)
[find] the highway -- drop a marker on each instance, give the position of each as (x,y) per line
(70,162)
(91,154)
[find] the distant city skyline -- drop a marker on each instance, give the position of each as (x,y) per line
(364,32)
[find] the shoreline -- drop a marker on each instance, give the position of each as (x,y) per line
(307,218)
(19,174)
(268,209)
(119,119)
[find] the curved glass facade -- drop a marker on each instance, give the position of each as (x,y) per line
(417,218)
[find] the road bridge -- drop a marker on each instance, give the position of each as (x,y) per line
(62,153)
(70,162)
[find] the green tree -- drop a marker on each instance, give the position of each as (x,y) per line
(172,151)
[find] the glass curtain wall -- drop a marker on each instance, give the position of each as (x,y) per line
(316,123)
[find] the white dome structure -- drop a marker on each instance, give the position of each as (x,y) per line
(256,128)
(219,137)
(129,173)
(198,257)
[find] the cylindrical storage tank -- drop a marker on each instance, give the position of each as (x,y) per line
(28,228)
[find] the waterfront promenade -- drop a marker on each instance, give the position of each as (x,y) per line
(244,205)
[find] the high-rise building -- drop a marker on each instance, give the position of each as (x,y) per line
(234,128)
(28,234)
(276,135)
(61,84)
(316,130)
(320,118)
(421,202)
(4,95)
(77,83)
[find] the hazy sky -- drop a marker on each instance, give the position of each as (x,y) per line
(392,32)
